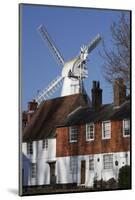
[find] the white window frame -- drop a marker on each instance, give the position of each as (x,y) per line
(125,135)
(71,133)
(108,165)
(88,133)
(91,162)
(45,144)
(103,136)
(33,170)
(73,165)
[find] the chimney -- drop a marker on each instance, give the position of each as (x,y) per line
(96,95)
(32,105)
(119,90)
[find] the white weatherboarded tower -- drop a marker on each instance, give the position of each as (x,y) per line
(73,72)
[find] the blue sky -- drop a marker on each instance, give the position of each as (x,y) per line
(70,28)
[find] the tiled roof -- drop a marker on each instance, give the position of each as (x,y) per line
(106,112)
(50,114)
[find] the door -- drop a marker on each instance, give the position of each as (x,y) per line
(52,173)
(83,167)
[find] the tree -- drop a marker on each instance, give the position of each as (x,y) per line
(117,61)
(124,180)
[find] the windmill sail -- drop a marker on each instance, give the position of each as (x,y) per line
(94,43)
(45,36)
(52,87)
(73,72)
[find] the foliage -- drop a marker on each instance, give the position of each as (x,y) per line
(101,184)
(124,180)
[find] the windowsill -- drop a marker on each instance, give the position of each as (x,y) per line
(106,138)
(89,140)
(74,141)
(126,136)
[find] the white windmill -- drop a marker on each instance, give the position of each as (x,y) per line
(73,72)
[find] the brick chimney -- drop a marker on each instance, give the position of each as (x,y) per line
(96,95)
(119,90)
(32,105)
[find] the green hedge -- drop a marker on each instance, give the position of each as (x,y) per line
(124,179)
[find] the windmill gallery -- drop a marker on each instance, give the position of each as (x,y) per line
(72,141)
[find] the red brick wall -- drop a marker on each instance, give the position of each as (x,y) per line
(117,143)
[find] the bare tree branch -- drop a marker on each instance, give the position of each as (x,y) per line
(117,61)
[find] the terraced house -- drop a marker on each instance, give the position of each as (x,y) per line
(72,140)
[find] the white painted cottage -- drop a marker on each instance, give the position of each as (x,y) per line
(39,137)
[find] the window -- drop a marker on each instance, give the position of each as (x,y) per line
(29,148)
(45,144)
(126,127)
(91,162)
(108,161)
(89,131)
(73,133)
(33,170)
(106,130)
(73,165)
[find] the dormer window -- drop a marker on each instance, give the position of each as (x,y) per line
(73,133)
(126,127)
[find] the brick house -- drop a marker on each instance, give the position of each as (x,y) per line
(68,140)
(94,142)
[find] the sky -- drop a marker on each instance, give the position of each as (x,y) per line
(70,28)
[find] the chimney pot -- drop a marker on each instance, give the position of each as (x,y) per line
(98,84)
(94,84)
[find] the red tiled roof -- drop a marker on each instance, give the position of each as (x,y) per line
(50,114)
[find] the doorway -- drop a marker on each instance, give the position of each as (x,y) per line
(83,167)
(52,172)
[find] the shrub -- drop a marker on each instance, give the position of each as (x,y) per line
(101,184)
(124,179)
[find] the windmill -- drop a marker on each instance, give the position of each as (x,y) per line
(73,72)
